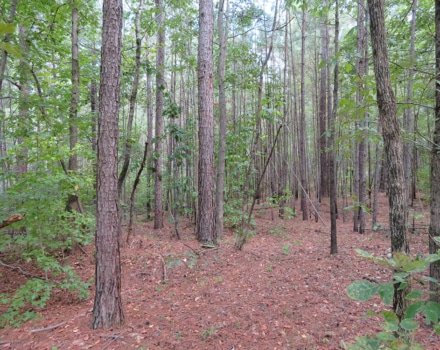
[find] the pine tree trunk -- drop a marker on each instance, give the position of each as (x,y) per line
(23,103)
(409,113)
(434,227)
(160,85)
(323,165)
(73,201)
(107,310)
(220,181)
(302,123)
(205,226)
(332,154)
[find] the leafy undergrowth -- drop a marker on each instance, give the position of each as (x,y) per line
(284,291)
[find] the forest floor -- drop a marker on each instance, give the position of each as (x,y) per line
(283,291)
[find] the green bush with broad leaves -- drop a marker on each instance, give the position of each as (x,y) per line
(43,240)
(397,333)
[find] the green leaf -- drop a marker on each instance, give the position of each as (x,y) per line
(386,292)
(400,277)
(364,254)
(385,337)
(432,312)
(361,290)
(6,28)
(401,259)
(413,309)
(408,324)
(415,266)
(10,49)
(414,294)
(390,326)
(430,258)
(390,317)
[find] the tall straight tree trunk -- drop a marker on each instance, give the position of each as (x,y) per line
(74,100)
(409,113)
(73,202)
(22,157)
(205,225)
(160,86)
(107,309)
(376,181)
(283,145)
(93,110)
(392,142)
(302,122)
(323,167)
(359,181)
(220,181)
(332,154)
(434,227)
(150,126)
(132,103)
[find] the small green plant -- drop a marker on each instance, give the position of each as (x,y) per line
(286,249)
(208,332)
(277,230)
(191,260)
(397,333)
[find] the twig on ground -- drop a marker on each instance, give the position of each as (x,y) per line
(3,342)
(112,337)
(210,249)
(19,269)
(50,328)
(194,250)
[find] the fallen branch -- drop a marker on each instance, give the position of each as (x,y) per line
(112,337)
(11,220)
(19,269)
(4,342)
(196,252)
(50,328)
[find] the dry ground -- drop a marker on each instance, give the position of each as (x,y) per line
(284,291)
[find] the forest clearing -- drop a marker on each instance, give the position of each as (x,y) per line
(283,291)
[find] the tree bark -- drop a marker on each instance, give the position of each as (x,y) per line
(23,103)
(302,121)
(205,226)
(73,201)
(392,142)
(107,310)
(160,86)
(323,166)
(332,153)
(409,113)
(434,227)
(220,181)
